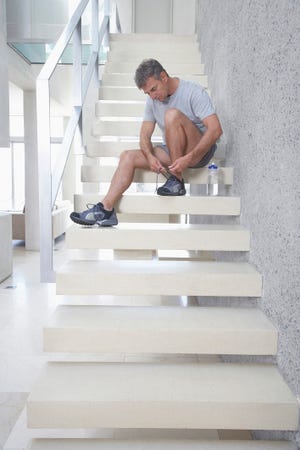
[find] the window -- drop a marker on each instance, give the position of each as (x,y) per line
(12,177)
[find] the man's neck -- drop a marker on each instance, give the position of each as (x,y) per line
(173,84)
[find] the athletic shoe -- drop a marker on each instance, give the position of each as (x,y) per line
(95,214)
(173,186)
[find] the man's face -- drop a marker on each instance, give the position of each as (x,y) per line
(157,89)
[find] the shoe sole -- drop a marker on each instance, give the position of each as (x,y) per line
(107,223)
(103,223)
(80,221)
(177,194)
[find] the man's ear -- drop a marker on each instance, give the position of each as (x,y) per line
(163,76)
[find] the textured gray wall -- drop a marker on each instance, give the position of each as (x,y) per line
(251,49)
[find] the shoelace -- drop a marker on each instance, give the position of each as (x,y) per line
(157,174)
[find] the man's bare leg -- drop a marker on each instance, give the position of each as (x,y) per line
(123,176)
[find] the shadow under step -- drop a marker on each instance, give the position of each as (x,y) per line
(150,203)
(163,236)
(126,277)
(193,330)
(142,395)
(157,444)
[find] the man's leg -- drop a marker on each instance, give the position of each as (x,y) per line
(123,176)
(181,133)
(103,213)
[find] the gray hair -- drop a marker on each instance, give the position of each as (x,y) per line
(148,68)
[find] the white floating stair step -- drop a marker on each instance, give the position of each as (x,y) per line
(119,108)
(163,236)
(171,67)
(143,203)
(103,147)
(127,79)
(119,128)
(192,330)
(121,93)
(187,396)
(104,173)
(166,46)
(167,52)
(157,444)
(159,278)
(152,37)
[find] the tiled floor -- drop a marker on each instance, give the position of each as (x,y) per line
(25,305)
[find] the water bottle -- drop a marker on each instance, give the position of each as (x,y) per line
(213,180)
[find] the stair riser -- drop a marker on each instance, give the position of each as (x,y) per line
(153,204)
(107,148)
(205,343)
(154,239)
(176,415)
(97,174)
(127,79)
(137,55)
(158,284)
(120,109)
(152,37)
(107,128)
(121,93)
(163,444)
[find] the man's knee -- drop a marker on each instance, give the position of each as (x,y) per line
(172,115)
(130,157)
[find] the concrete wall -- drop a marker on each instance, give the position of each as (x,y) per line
(4,104)
(252,55)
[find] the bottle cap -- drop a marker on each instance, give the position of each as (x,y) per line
(213,166)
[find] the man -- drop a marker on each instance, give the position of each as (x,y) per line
(190,126)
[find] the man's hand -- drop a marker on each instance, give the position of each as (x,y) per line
(154,164)
(180,164)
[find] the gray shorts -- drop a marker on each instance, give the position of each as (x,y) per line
(203,162)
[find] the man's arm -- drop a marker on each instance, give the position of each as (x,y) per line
(208,139)
(146,146)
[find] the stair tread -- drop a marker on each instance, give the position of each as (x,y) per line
(165,236)
(159,278)
(157,444)
(143,395)
(160,330)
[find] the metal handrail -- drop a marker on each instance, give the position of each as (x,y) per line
(49,181)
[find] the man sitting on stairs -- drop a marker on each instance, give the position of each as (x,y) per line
(190,126)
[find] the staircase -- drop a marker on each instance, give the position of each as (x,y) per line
(160,385)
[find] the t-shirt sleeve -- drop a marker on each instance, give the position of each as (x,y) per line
(148,112)
(201,103)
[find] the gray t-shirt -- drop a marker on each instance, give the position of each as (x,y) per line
(190,98)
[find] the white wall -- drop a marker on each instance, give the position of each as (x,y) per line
(183,16)
(35,19)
